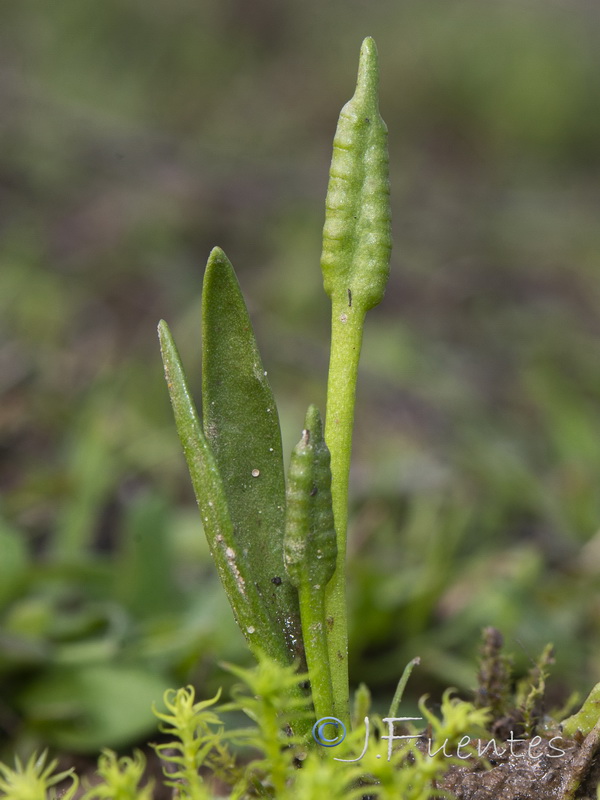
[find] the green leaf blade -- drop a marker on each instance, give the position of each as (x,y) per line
(242,592)
(242,425)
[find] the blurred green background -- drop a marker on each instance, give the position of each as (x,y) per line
(137,135)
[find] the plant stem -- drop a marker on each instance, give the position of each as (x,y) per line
(402,686)
(346,341)
(312,609)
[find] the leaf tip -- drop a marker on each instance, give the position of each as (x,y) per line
(164,334)
(217,256)
(218,268)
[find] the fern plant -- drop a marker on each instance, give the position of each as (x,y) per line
(281,554)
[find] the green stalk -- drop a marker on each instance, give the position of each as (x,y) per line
(312,610)
(396,700)
(355,263)
(346,340)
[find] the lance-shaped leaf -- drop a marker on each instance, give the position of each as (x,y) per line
(242,425)
(244,596)
(357,239)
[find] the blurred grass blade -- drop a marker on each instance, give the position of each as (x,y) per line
(226,550)
(144,572)
(242,425)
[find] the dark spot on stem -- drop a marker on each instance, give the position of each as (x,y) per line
(329,623)
(350,298)
(276,580)
(313,491)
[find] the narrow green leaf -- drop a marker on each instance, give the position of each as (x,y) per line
(242,425)
(245,597)
(396,700)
